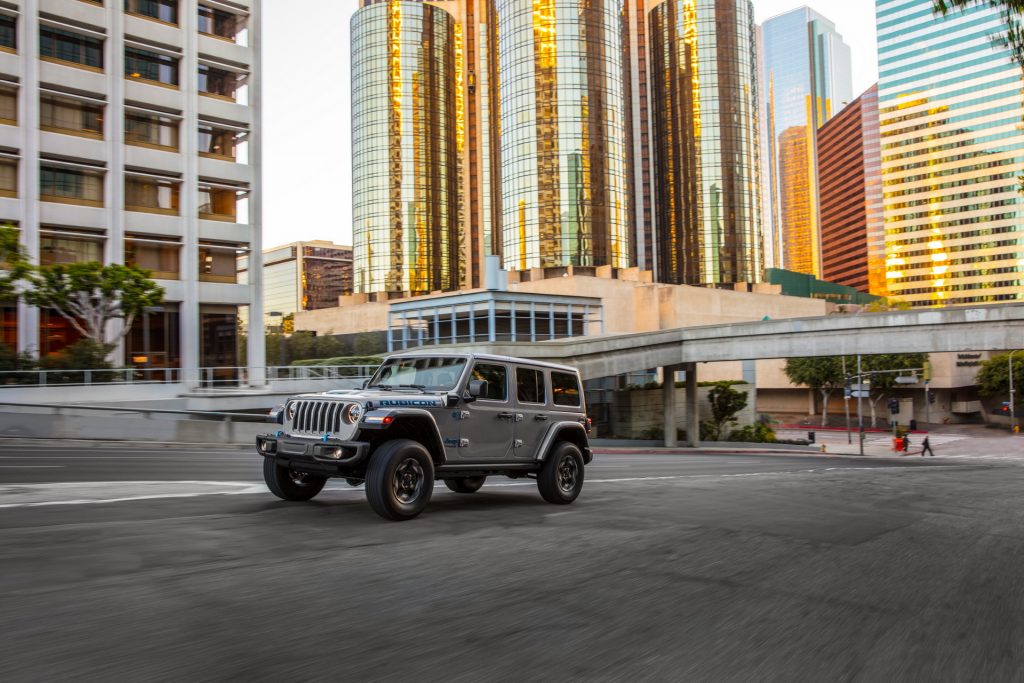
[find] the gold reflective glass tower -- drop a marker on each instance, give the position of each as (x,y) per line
(407,136)
(557,90)
(705,119)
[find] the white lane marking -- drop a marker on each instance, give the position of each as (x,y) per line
(29,467)
(79,491)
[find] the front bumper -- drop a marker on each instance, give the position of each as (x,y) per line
(315,456)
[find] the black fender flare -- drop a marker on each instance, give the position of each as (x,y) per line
(575,432)
(379,420)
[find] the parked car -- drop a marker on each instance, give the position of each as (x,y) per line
(455,417)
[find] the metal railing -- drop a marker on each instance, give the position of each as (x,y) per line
(210,415)
(209,377)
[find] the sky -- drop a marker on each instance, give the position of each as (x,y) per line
(307,178)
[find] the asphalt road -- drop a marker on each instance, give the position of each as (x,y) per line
(174,564)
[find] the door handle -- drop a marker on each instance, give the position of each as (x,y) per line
(540,417)
(506,416)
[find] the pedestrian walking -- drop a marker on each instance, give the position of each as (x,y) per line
(906,443)
(925,446)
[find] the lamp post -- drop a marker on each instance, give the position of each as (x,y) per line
(1013,411)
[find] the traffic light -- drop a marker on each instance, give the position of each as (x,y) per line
(926,373)
(931,397)
(894,405)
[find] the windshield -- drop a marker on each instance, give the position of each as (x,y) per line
(432,374)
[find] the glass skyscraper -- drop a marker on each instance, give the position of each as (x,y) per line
(705,117)
(407,134)
(950,101)
(807,79)
(558,94)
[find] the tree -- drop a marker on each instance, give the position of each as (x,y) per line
(994,375)
(1011,12)
(90,295)
(725,403)
(824,373)
(14,266)
(881,385)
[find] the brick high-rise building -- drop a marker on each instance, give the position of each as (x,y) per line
(849,177)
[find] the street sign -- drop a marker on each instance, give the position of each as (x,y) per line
(858,393)
(860,387)
(906,379)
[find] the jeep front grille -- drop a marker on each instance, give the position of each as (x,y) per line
(318,417)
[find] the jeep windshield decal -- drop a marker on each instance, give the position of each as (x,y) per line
(410,402)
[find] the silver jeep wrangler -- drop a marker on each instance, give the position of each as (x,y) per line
(425,416)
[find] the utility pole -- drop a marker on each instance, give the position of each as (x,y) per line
(860,413)
(1013,412)
(846,401)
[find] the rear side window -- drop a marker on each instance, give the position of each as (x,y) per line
(497,380)
(565,389)
(529,385)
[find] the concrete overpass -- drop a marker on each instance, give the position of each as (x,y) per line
(988,328)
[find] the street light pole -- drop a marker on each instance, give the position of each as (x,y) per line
(1013,412)
(860,413)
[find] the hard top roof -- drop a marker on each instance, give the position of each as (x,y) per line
(473,355)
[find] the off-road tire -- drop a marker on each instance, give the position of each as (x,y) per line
(465,484)
(560,480)
(399,479)
(289,485)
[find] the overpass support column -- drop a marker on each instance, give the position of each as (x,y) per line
(668,400)
(692,409)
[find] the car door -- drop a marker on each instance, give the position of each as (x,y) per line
(531,403)
(492,417)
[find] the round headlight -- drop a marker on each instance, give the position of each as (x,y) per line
(290,410)
(353,413)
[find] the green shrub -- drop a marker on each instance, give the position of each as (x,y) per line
(758,432)
(84,354)
(342,360)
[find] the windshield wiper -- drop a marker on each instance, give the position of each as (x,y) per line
(385,387)
(421,387)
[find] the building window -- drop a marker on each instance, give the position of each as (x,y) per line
(149,66)
(214,22)
(9,324)
(220,143)
(218,344)
(71,185)
(9,105)
(160,256)
(154,342)
(151,130)
(161,10)
(218,82)
(218,204)
(218,263)
(56,333)
(61,247)
(151,195)
(66,115)
(74,48)
(8,32)
(8,177)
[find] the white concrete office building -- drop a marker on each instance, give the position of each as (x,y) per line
(129,133)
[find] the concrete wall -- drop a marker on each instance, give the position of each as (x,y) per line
(637,414)
(78,424)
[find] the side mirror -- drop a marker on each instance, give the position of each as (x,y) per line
(477,388)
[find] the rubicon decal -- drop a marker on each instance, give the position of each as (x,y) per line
(410,403)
